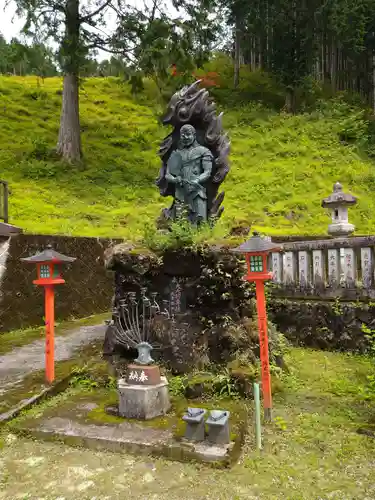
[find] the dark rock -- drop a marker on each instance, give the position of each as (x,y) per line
(324,324)
(240,231)
(211,309)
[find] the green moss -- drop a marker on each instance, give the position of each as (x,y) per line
(71,405)
(201,378)
(87,358)
(310,459)
(201,382)
(18,338)
(114,193)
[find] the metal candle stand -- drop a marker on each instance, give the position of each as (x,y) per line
(143,392)
(217,423)
(133,321)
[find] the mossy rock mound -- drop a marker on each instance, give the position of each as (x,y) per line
(130,259)
(243,377)
(199,385)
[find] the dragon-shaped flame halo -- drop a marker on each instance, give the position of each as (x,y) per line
(194,106)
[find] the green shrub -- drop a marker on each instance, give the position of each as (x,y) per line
(40,169)
(180,234)
(224,385)
(40,149)
(83,380)
(177,385)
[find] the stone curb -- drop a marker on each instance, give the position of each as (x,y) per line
(46,393)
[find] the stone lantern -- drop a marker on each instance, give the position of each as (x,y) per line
(338,202)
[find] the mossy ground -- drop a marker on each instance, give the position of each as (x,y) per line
(70,405)
(312,450)
(88,357)
(17,338)
(281,165)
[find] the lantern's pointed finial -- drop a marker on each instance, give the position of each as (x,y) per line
(337,187)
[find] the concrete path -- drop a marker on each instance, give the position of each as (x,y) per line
(15,365)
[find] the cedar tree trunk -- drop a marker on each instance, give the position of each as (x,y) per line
(69,141)
(290,100)
(237,55)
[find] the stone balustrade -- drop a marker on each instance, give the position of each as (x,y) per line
(339,267)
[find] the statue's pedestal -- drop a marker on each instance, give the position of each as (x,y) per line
(143,402)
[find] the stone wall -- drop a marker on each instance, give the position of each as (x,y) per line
(326,268)
(323,291)
(331,325)
(88,288)
(215,289)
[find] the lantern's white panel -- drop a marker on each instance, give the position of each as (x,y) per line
(304,268)
(349,267)
(366,266)
(277,267)
(288,267)
(333,266)
(342,266)
(318,266)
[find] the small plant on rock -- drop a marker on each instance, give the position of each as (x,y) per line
(83,380)
(224,385)
(177,385)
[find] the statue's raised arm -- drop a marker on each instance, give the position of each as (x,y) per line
(194,156)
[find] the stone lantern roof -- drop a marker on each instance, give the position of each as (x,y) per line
(257,244)
(338,198)
(48,255)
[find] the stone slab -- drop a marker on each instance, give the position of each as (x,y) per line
(91,420)
(143,402)
(129,437)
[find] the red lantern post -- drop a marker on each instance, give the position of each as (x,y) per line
(256,250)
(48,270)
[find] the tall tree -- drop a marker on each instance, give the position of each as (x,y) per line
(154,38)
(331,40)
(77,27)
(22,59)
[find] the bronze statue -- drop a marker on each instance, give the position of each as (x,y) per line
(189,167)
(193,106)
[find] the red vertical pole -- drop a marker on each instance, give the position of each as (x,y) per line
(263,345)
(50,332)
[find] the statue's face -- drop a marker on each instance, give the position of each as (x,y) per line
(187,137)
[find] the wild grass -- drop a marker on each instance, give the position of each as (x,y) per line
(311,450)
(281,166)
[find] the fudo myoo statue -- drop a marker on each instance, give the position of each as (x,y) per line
(194,157)
(189,167)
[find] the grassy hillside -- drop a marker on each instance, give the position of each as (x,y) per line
(282,166)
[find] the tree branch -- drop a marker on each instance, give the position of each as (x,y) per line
(97,45)
(95,12)
(153,13)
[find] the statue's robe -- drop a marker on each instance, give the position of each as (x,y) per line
(191,164)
